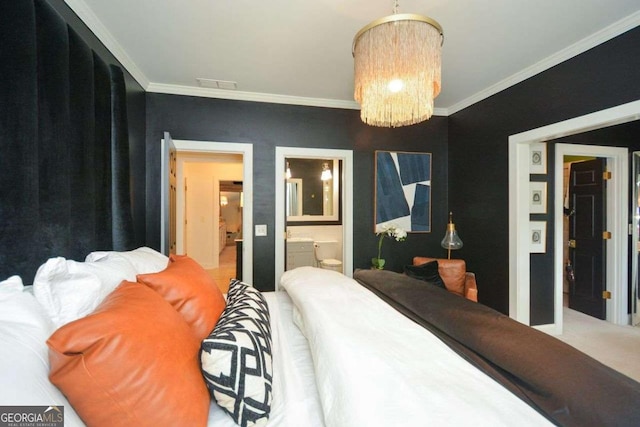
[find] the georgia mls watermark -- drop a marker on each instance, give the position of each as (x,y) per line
(31,416)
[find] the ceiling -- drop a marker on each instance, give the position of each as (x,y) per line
(299,51)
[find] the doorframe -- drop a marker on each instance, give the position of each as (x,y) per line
(246,150)
(519,262)
(347,202)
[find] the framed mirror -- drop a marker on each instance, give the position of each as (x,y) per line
(312,192)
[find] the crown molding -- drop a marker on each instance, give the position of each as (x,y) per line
(250,96)
(87,16)
(95,25)
(256,97)
(575,49)
(85,13)
(260,97)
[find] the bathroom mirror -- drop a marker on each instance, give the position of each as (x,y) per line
(312,190)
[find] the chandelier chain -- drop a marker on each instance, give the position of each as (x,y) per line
(395,7)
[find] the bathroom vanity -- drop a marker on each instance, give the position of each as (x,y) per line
(299,253)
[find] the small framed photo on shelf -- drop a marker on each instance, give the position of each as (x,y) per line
(537,197)
(537,237)
(538,158)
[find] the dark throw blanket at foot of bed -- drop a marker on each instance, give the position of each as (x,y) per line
(562,383)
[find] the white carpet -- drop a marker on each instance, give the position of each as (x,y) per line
(615,346)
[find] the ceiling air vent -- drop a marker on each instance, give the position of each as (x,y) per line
(217,84)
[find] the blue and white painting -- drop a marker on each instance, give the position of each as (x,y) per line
(403,190)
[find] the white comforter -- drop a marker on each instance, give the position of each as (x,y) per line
(295,399)
(375,367)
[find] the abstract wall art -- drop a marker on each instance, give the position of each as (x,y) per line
(403,190)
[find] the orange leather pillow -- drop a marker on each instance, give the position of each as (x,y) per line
(191,291)
(453,272)
(133,361)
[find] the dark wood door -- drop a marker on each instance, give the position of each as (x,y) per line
(173,171)
(168,193)
(587,196)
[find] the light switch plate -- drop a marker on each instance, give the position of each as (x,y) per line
(261,229)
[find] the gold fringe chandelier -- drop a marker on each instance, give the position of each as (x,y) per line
(397,62)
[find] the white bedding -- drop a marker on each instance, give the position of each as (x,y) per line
(295,397)
(375,367)
(372,366)
(24,364)
(24,361)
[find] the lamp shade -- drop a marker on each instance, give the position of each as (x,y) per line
(397,68)
(326,172)
(451,240)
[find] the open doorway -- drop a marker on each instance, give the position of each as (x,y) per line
(202,202)
(519,216)
(231,203)
(199,202)
(313,212)
(327,230)
(610,272)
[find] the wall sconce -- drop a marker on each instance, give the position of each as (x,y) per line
(287,173)
(224,201)
(326,172)
(451,241)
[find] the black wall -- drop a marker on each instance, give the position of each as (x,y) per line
(470,163)
(602,77)
(135,115)
(269,125)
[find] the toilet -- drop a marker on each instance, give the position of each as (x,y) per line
(325,252)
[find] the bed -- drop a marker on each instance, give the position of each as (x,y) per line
(341,352)
(65,292)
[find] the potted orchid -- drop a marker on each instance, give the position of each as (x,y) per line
(391,231)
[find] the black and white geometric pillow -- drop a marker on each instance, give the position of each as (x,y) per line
(236,357)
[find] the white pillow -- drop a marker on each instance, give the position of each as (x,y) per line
(69,290)
(10,286)
(145,260)
(24,361)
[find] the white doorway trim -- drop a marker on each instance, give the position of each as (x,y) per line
(246,150)
(519,265)
(347,202)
